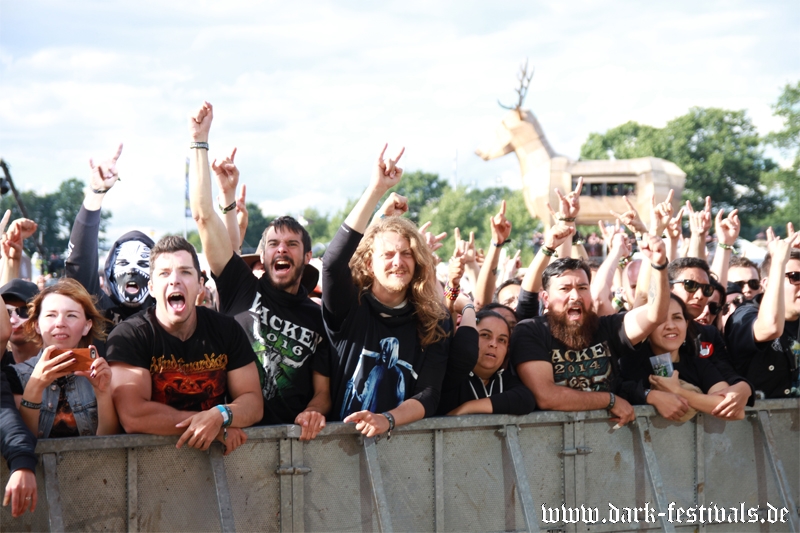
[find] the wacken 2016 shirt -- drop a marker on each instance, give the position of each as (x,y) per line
(190,375)
(286,333)
(593,368)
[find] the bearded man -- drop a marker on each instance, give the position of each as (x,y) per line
(127,267)
(569,356)
(283,324)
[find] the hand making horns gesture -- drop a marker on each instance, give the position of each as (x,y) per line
(387,174)
(569,205)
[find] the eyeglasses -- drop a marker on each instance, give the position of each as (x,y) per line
(713,308)
(735,303)
(752,283)
(21,312)
(793,277)
(692,286)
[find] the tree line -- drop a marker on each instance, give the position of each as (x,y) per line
(720,150)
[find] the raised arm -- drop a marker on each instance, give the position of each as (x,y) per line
(395,205)
(385,175)
(727,230)
(82,260)
(569,208)
(242,216)
(640,322)
(213,234)
(674,231)
(13,239)
(603,280)
(772,313)
(700,224)
(227,180)
(553,239)
(487,278)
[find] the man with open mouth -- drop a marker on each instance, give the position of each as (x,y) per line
(180,369)
(568,357)
(127,267)
(283,324)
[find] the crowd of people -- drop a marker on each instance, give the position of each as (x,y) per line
(388,343)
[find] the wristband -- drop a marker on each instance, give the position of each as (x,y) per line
(226,210)
(390,418)
(611,402)
(202,145)
(565,219)
(468,306)
(659,267)
(227,416)
(499,244)
(30,405)
(549,252)
(647,393)
(451,293)
(725,246)
(99,191)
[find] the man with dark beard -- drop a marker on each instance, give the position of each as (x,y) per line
(283,325)
(568,356)
(127,267)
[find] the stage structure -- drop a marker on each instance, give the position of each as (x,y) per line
(606,182)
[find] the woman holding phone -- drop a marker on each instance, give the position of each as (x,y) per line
(66,393)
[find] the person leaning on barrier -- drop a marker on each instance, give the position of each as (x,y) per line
(385,317)
(489,388)
(57,400)
(690,279)
(767,336)
(283,325)
(695,380)
(568,357)
(175,365)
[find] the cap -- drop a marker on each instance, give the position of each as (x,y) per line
(20,289)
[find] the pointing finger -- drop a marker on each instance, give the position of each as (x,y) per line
(424,227)
(233,154)
(502,207)
(707,208)
(628,201)
(383,152)
(472,238)
(689,208)
(244,193)
(457,233)
(579,186)
(669,196)
(119,152)
(400,154)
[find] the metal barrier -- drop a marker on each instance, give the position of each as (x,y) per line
(470,473)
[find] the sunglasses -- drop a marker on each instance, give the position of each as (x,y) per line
(793,277)
(713,308)
(735,303)
(692,286)
(21,312)
(752,283)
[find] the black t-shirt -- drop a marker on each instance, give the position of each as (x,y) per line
(286,333)
(379,361)
(593,368)
(772,367)
(507,393)
(190,375)
(527,304)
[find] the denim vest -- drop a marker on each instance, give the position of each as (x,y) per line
(79,394)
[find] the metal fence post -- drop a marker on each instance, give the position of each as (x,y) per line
(642,428)
(784,488)
(53,492)
(226,520)
(376,480)
(511,436)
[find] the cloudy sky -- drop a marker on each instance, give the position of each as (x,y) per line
(309,95)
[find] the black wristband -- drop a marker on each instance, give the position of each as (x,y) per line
(390,418)
(99,191)
(199,145)
(611,402)
(660,267)
(228,209)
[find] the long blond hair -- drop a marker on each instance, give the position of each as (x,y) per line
(422,291)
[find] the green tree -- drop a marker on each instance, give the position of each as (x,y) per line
(785,182)
(54,213)
(256,224)
(720,151)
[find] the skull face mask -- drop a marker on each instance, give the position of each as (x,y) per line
(130,273)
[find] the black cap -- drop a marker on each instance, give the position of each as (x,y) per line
(20,289)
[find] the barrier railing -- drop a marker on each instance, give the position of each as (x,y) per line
(547,471)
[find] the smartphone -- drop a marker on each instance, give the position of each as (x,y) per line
(84,357)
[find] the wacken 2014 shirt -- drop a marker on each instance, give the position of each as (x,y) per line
(286,333)
(190,375)
(592,368)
